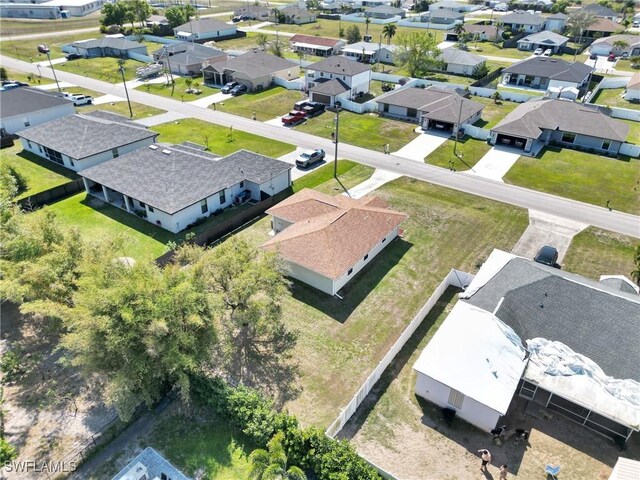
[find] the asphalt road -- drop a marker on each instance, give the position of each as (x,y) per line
(601,217)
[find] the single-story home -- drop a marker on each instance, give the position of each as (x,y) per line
(557,22)
(109,46)
(527,22)
(432,107)
(384,12)
(545,39)
(182,184)
(159,22)
(188,58)
(600,11)
(318,46)
(602,27)
(326,240)
(149,464)
(369,52)
(440,17)
(605,45)
(82,141)
(27,107)
(551,121)
(292,14)
(454,6)
(546,72)
(477,31)
(459,61)
(205,29)
(254,12)
(632,90)
(337,77)
(522,328)
(256,70)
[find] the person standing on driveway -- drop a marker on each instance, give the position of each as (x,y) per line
(503,471)
(486,458)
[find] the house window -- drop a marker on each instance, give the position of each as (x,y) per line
(322,74)
(150,208)
(412,112)
(242,184)
(385,108)
(568,137)
(365,257)
(115,153)
(223,198)
(53,155)
(606,144)
(350,271)
(203,206)
(40,148)
(72,164)
(141,204)
(26,123)
(455,398)
(29,143)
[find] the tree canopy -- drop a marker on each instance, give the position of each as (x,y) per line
(179,14)
(418,53)
(353,34)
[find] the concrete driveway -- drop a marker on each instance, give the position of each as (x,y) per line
(204,102)
(496,163)
(379,178)
(422,146)
(300,172)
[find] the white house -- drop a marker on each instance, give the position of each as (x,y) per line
(460,62)
(205,29)
(369,52)
(337,77)
(527,22)
(546,72)
(326,240)
(546,40)
(605,45)
(632,90)
(82,141)
(556,22)
(49,9)
(175,186)
(27,107)
(318,46)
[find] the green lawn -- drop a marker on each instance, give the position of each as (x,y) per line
(179,90)
(19,26)
(220,140)
(266,105)
(364,130)
(449,78)
(350,174)
(29,78)
(581,176)
(349,336)
(242,43)
(101,68)
(493,112)
(492,50)
(611,97)
(634,131)
(40,174)
(470,149)
(27,49)
(140,110)
(594,252)
(625,66)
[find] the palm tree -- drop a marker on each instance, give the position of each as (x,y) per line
(367,21)
(620,45)
(271,464)
(389,31)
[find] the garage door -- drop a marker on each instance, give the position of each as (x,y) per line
(442,126)
(318,97)
(516,142)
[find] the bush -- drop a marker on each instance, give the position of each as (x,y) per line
(3,73)
(11,366)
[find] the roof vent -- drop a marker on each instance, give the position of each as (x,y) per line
(166,152)
(153,147)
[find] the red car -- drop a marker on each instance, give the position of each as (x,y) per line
(612,57)
(294,117)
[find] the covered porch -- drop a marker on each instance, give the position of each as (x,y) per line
(115,198)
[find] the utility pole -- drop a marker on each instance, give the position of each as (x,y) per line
(335,141)
(166,51)
(45,49)
(455,142)
(121,64)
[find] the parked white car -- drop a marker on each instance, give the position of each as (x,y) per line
(538,51)
(547,52)
(78,99)
(501,7)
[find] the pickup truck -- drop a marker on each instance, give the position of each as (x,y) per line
(294,117)
(313,108)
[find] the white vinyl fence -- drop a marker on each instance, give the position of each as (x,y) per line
(370,106)
(476,132)
(296,84)
(625,113)
(453,278)
(139,57)
(630,149)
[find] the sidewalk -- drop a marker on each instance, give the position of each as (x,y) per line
(379,178)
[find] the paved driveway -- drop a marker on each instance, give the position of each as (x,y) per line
(379,178)
(300,172)
(422,146)
(204,102)
(496,163)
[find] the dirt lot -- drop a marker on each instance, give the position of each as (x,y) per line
(49,408)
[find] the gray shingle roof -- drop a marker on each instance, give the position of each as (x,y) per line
(385,9)
(20,101)
(173,182)
(253,64)
(156,466)
(441,14)
(599,10)
(119,43)
(339,66)
(552,68)
(203,25)
(558,16)
(523,18)
(530,118)
(546,37)
(587,316)
(111,117)
(80,136)
(330,87)
(175,48)
(460,57)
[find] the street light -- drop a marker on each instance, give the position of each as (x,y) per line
(45,49)
(121,64)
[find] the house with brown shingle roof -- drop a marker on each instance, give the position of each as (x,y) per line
(326,240)
(319,46)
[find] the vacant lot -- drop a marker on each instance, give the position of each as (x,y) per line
(493,112)
(350,174)
(611,97)
(102,68)
(27,49)
(29,78)
(266,105)
(220,140)
(341,340)
(469,151)
(40,174)
(140,110)
(364,130)
(23,26)
(581,176)
(179,90)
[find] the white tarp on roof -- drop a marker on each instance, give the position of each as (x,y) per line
(476,354)
(557,368)
(311,45)
(496,262)
(183,34)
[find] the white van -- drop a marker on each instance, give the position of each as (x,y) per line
(501,7)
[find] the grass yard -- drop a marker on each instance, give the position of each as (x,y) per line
(634,131)
(27,50)
(39,173)
(140,110)
(493,112)
(581,176)
(350,174)
(29,78)
(19,26)
(349,336)
(266,105)
(611,97)
(364,130)
(449,78)
(624,65)
(493,50)
(242,43)
(471,150)
(179,90)
(101,68)
(594,252)
(219,139)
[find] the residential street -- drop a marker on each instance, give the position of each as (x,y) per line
(573,210)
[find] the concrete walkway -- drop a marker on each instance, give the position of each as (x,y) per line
(107,99)
(496,163)
(53,86)
(422,146)
(204,102)
(545,229)
(158,119)
(379,178)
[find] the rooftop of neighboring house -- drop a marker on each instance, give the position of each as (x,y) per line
(80,136)
(491,31)
(295,11)
(254,9)
(384,9)
(630,40)
(203,25)
(634,82)
(196,57)
(368,47)
(330,234)
(450,14)
(152,464)
(604,25)
(311,40)
(178,176)
(181,47)
(339,66)
(552,68)
(254,64)
(330,87)
(158,20)
(530,118)
(119,43)
(24,100)
(461,57)
(522,18)
(598,10)
(545,36)
(558,16)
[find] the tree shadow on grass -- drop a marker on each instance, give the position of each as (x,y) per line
(363,284)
